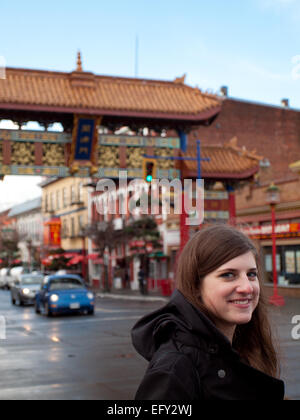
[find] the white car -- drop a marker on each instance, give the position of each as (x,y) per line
(3,277)
(14,275)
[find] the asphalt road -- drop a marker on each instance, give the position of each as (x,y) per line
(70,357)
(91,358)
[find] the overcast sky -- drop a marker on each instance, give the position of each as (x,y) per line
(251,46)
(16,189)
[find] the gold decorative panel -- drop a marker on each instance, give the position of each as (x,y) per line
(23,154)
(109,157)
(165,163)
(53,154)
(134,157)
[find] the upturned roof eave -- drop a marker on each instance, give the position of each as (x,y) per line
(243,175)
(193,118)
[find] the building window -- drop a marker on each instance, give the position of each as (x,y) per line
(80,223)
(52,202)
(65,230)
(290,262)
(72,227)
(73,194)
(80,192)
(65,198)
(46,203)
(57,200)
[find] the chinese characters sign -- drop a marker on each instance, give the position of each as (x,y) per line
(84,143)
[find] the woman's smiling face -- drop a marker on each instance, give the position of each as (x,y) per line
(231,293)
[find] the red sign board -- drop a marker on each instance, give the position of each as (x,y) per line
(52,233)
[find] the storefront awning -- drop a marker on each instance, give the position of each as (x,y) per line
(76,260)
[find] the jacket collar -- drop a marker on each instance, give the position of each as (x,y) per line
(203,330)
(182,321)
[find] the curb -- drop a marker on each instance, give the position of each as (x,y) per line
(132,298)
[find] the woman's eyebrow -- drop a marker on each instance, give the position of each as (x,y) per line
(236,270)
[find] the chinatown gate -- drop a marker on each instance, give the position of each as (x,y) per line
(91,109)
(82,102)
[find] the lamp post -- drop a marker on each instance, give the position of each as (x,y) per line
(273,198)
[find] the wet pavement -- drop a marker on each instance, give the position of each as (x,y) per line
(88,358)
(70,357)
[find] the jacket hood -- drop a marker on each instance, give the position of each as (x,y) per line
(178,317)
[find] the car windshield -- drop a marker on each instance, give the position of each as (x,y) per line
(28,280)
(65,284)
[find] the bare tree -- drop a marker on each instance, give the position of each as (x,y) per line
(9,240)
(106,238)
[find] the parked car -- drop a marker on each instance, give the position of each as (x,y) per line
(62,294)
(3,277)
(23,291)
(15,274)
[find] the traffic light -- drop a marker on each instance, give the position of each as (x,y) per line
(149,169)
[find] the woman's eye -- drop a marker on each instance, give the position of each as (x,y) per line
(227,275)
(251,275)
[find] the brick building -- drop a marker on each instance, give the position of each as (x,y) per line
(272,132)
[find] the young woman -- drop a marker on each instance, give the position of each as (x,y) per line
(213,340)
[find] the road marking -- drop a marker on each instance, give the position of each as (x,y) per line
(85,320)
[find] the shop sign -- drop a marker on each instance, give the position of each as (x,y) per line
(52,233)
(281,230)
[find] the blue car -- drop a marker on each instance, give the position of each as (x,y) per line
(64,294)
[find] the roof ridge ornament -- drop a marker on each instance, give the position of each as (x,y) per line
(180,80)
(81,78)
(242,151)
(79,61)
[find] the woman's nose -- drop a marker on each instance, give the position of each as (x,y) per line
(245,285)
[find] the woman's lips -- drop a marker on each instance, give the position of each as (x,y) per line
(241,303)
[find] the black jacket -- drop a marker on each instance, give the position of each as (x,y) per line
(190,359)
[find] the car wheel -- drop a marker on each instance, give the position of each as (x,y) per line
(19,301)
(47,310)
(91,312)
(37,308)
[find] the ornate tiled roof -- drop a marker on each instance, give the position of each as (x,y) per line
(81,91)
(226,161)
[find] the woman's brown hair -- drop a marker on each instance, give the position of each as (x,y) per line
(210,248)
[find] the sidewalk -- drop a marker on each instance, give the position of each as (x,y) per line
(133,295)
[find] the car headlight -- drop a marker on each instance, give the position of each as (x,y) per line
(54,298)
(25,291)
(90,296)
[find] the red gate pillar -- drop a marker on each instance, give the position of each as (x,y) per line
(232,205)
(184,227)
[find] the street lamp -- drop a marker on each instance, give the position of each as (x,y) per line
(273,198)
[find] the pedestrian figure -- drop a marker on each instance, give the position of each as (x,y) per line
(213,340)
(142,282)
(127,279)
